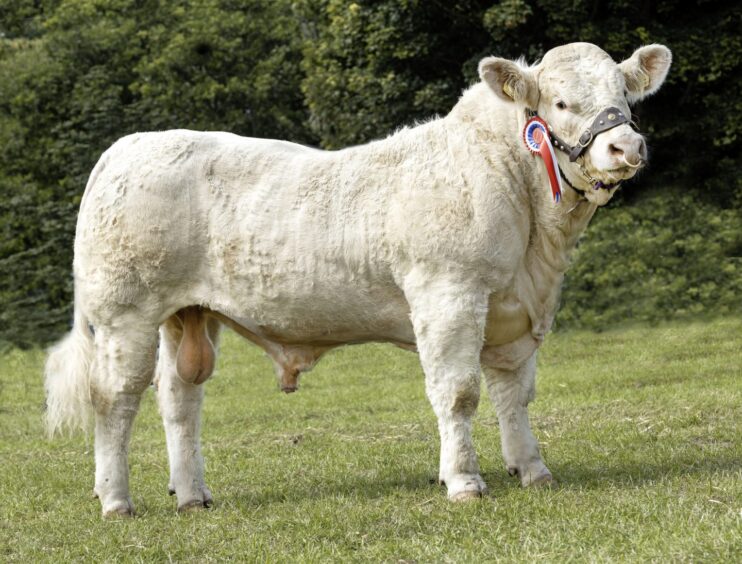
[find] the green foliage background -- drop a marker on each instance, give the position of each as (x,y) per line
(75,75)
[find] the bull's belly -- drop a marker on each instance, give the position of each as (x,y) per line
(329,316)
(342,315)
(299,341)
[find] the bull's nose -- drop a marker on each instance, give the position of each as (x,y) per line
(633,150)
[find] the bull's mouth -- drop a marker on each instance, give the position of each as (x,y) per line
(598,184)
(608,179)
(622,173)
(587,181)
(612,179)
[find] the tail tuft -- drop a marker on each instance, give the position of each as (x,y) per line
(67,380)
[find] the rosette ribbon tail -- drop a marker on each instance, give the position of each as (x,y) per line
(537,140)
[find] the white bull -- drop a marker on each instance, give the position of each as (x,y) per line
(442,238)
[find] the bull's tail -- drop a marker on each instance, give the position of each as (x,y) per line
(67,379)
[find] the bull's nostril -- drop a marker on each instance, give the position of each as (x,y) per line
(615,150)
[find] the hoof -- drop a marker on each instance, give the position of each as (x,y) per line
(463,487)
(463,497)
(533,475)
(538,478)
(196,501)
(543,481)
(123,510)
(195,505)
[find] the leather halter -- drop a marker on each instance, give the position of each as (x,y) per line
(607,119)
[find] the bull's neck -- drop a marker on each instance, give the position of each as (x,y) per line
(554,227)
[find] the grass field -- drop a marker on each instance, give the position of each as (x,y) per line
(640,426)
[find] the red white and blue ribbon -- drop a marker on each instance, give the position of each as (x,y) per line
(538,141)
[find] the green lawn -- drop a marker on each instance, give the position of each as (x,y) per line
(640,426)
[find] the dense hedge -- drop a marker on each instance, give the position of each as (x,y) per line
(77,74)
(664,256)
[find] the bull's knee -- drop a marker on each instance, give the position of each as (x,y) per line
(196,356)
(466,399)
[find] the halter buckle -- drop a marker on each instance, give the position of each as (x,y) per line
(587,142)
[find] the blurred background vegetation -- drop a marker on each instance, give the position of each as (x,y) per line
(75,75)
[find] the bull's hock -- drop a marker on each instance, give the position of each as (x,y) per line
(443,238)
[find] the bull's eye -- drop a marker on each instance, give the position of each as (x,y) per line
(561,105)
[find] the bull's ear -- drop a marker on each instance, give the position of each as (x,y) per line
(509,80)
(645,71)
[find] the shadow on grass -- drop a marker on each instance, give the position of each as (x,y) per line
(419,483)
(623,474)
(350,487)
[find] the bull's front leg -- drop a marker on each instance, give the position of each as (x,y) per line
(448,321)
(511,390)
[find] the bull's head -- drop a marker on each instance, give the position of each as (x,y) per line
(570,89)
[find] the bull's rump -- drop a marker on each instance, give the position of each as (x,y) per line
(268,231)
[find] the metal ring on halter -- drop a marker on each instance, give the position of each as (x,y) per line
(589,139)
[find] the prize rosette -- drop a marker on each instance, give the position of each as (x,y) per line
(538,141)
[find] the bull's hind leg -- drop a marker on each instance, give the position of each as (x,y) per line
(180,395)
(122,369)
(511,391)
(449,324)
